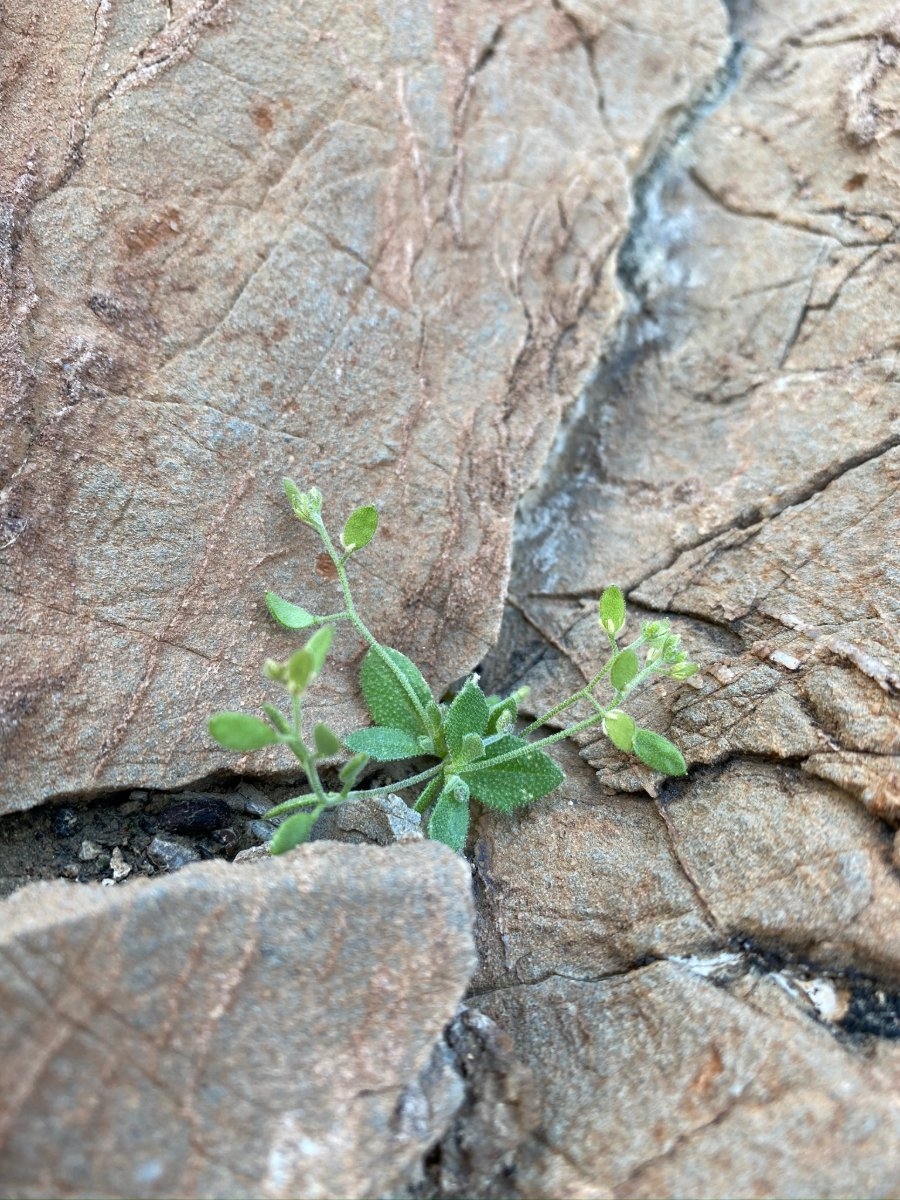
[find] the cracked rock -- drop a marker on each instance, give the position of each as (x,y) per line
(269,1031)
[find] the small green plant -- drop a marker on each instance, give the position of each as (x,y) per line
(479,755)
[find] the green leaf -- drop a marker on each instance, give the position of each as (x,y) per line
(515,783)
(502,715)
(468,713)
(291,616)
(625,666)
(360,528)
(658,752)
(472,747)
(619,728)
(294,831)
(277,717)
(383,744)
(299,672)
(449,821)
(612,611)
(318,646)
(326,741)
(386,698)
(240,731)
(352,769)
(428,794)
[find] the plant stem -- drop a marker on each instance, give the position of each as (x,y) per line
(485,764)
(307,761)
(361,627)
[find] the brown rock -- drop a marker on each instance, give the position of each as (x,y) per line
(266,1031)
(660,1083)
(368,247)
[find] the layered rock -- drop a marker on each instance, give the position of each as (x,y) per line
(270,1029)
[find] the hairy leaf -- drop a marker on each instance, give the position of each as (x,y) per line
(387,700)
(277,717)
(626,666)
(658,752)
(612,611)
(383,744)
(360,527)
(619,728)
(293,832)
(291,616)
(299,672)
(326,741)
(318,646)
(240,731)
(467,714)
(352,769)
(515,783)
(449,822)
(472,747)
(502,715)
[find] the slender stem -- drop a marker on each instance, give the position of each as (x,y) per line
(333,799)
(307,761)
(485,764)
(586,692)
(400,786)
(361,627)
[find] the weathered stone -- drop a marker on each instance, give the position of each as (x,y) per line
(500,1108)
(265,1031)
(581,885)
(371,246)
(735,468)
(381,820)
(660,1083)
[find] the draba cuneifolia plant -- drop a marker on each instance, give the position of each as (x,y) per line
(477,751)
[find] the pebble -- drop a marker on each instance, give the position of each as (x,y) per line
(65,822)
(170,855)
(89,851)
(226,838)
(69,871)
(194,814)
(120,868)
(261,830)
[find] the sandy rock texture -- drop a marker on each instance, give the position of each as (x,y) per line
(371,246)
(702,976)
(270,1029)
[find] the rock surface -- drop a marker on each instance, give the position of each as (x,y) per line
(727,1092)
(388,249)
(373,247)
(270,1029)
(735,467)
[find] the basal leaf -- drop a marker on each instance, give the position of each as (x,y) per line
(360,527)
(515,783)
(467,714)
(472,747)
(502,715)
(658,752)
(240,731)
(626,666)
(387,699)
(291,616)
(383,744)
(449,822)
(293,832)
